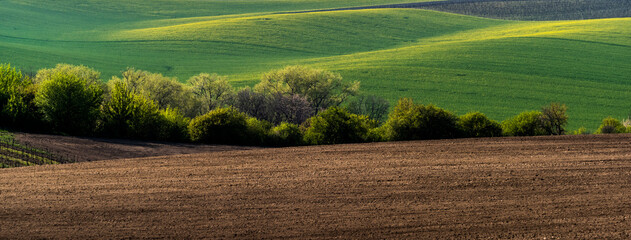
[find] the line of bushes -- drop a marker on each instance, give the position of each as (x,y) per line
(291,106)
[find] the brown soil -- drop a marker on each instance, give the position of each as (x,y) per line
(569,187)
(91,149)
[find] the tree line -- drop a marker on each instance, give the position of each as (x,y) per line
(296,105)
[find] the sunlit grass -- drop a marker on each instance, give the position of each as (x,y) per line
(458,62)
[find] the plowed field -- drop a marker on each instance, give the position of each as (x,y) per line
(565,187)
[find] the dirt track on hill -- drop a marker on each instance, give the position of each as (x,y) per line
(569,187)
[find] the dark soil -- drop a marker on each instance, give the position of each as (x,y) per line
(568,187)
(92,149)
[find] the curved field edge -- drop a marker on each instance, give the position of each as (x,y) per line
(539,187)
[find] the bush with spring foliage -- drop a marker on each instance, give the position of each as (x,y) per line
(411,121)
(173,126)
(220,126)
(68,101)
(476,124)
(611,125)
(257,132)
(335,125)
(524,124)
(129,115)
(165,92)
(10,79)
(17,100)
(580,131)
(286,134)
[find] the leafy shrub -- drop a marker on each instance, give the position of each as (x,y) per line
(336,125)
(257,132)
(476,124)
(10,78)
(68,101)
(286,134)
(219,126)
(554,118)
(378,134)
(611,125)
(17,95)
(129,115)
(580,131)
(524,124)
(410,121)
(173,125)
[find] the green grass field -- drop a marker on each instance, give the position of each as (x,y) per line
(458,62)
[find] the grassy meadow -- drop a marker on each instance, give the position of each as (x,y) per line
(462,63)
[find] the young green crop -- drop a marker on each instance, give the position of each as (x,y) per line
(458,62)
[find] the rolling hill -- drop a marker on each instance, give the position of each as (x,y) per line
(462,63)
(538,10)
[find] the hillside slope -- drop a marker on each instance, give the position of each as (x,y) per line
(538,10)
(458,62)
(527,188)
(503,70)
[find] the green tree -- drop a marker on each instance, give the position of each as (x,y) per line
(173,126)
(89,75)
(322,88)
(10,79)
(69,102)
(17,94)
(211,91)
(164,91)
(129,115)
(554,118)
(476,124)
(409,121)
(524,124)
(335,125)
